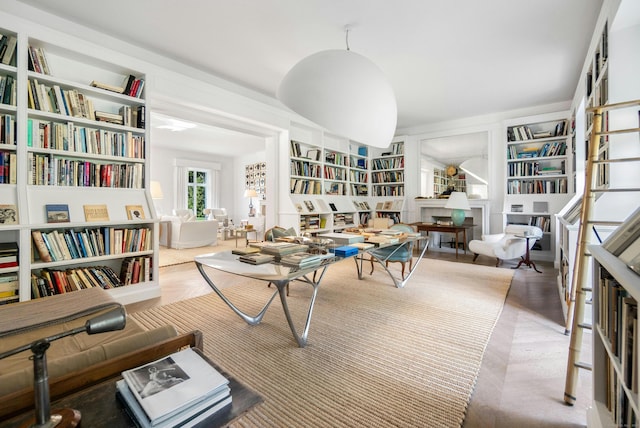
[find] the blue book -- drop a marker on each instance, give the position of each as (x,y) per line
(344,251)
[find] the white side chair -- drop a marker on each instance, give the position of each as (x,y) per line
(507,245)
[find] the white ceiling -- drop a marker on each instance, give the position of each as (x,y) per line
(445,59)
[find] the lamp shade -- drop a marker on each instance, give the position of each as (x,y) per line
(156,190)
(345,93)
(250,193)
(458,201)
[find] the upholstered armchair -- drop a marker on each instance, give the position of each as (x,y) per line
(507,245)
(402,255)
(188,232)
(219,214)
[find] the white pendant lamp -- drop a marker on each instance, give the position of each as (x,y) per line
(345,93)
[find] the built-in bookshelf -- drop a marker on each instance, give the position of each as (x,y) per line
(387,171)
(359,170)
(76,146)
(616,291)
(306,168)
(539,175)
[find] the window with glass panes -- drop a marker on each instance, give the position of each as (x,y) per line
(197,190)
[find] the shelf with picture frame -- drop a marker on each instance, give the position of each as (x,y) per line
(83,120)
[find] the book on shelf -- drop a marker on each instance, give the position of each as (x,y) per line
(624,235)
(9,44)
(57,213)
(8,214)
(106,86)
(174,390)
(96,212)
(134,212)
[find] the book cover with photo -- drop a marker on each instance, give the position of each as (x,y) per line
(57,213)
(134,212)
(8,214)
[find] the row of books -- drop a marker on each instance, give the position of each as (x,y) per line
(8,254)
(54,99)
(388,177)
(336,158)
(8,45)
(70,137)
(8,90)
(556,148)
(343,219)
(305,169)
(523,169)
(51,170)
(8,167)
(8,129)
(306,187)
(335,173)
(359,176)
(359,190)
(38,60)
(132,86)
(71,244)
(393,163)
(524,132)
(386,190)
(336,188)
(182,389)
(537,186)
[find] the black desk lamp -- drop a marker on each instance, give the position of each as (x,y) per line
(115,319)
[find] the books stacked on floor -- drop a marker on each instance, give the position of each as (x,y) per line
(182,389)
(257,258)
(301,260)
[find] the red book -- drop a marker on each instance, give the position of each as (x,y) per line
(8,264)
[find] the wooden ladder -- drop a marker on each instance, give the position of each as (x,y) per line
(579,288)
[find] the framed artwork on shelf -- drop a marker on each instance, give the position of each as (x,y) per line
(8,214)
(134,212)
(57,213)
(96,213)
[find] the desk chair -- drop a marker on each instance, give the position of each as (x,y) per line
(403,255)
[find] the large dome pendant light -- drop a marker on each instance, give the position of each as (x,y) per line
(345,93)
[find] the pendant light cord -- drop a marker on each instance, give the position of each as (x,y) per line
(346,37)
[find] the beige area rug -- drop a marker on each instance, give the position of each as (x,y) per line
(377,356)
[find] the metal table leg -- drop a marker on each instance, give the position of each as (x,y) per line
(281,287)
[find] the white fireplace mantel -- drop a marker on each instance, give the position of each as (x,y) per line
(480,208)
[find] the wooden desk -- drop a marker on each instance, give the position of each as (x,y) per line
(456,230)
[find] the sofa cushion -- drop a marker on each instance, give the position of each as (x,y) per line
(25,322)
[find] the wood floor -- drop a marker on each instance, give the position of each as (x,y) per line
(521,381)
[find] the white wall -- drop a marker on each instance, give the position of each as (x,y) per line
(240,203)
(163,170)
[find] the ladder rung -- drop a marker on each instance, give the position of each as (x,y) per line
(613,106)
(582,365)
(588,302)
(587,289)
(630,189)
(617,131)
(585,326)
(616,160)
(605,222)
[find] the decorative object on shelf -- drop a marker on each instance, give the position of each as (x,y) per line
(451,170)
(251,193)
(96,212)
(134,212)
(8,214)
(57,213)
(330,86)
(113,320)
(458,203)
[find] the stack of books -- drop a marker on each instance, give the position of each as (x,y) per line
(301,260)
(280,249)
(182,389)
(256,259)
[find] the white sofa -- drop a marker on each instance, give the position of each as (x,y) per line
(188,232)
(507,245)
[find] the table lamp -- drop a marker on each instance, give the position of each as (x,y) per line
(115,319)
(251,193)
(458,203)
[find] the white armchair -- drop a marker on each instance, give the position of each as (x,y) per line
(188,232)
(219,214)
(507,245)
